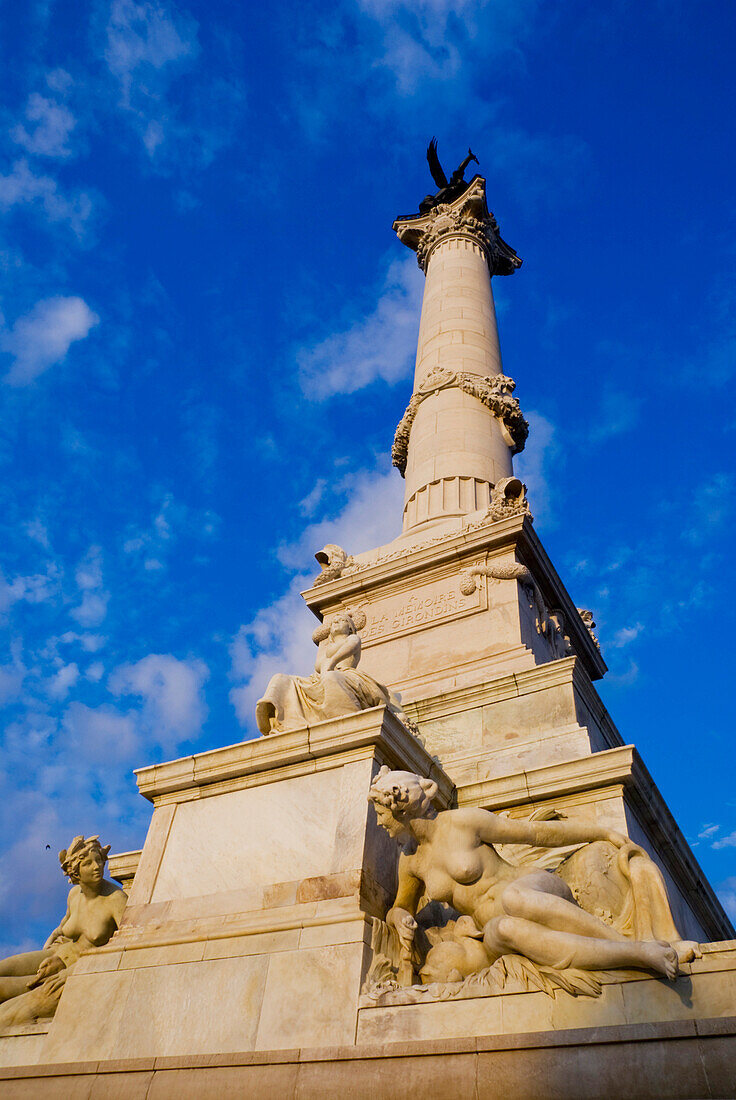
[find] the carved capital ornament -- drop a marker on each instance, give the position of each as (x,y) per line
(467,217)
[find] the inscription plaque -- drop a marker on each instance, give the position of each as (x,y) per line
(407,612)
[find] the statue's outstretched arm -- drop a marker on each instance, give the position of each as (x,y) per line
(493,829)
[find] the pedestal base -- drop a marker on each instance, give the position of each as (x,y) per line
(690,1060)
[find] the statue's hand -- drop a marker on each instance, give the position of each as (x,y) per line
(53,938)
(404,924)
(52,965)
(56,982)
(617,839)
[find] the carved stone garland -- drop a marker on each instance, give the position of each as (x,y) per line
(494,391)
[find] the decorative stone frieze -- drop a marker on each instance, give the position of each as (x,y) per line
(493,391)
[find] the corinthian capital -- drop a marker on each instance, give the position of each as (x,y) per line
(468,216)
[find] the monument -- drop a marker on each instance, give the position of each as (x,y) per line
(439,868)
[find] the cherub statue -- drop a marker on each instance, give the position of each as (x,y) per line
(337,686)
(452,857)
(31,984)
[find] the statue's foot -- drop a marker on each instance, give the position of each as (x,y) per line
(660,957)
(265,715)
(687,950)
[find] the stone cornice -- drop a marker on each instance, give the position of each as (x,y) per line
(404,566)
(566,670)
(466,217)
(296,752)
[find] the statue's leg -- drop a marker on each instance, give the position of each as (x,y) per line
(561,950)
(25,964)
(13,987)
(542,897)
(17,970)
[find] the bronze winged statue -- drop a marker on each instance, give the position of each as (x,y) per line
(448,190)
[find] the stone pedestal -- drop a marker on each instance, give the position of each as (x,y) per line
(249,915)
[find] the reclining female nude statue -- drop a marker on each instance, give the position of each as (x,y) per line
(452,857)
(31,984)
(337,687)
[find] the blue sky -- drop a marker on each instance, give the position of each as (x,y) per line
(207,333)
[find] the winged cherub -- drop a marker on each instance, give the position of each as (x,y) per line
(448,190)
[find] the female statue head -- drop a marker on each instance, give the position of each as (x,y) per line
(85,858)
(399,797)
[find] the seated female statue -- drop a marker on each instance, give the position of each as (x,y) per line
(451,857)
(31,983)
(337,686)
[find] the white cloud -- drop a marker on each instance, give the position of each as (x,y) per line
(21,186)
(708,831)
(625,635)
(279,637)
(43,337)
(534,464)
(381,345)
(59,685)
(53,123)
(432,39)
(12,676)
(101,733)
(145,36)
(35,588)
(173,707)
(93,608)
(371,517)
(725,841)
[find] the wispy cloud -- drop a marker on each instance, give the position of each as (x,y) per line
(534,467)
(626,635)
(617,414)
(433,39)
(173,708)
(21,186)
(148,47)
(381,345)
(278,637)
(44,336)
(93,608)
(47,127)
(143,40)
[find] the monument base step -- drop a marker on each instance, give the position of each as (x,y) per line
(689,1059)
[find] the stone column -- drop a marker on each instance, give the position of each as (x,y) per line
(462,425)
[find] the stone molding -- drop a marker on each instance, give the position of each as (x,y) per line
(672,1058)
(325,745)
(467,217)
(123,866)
(463,548)
(494,391)
(566,670)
